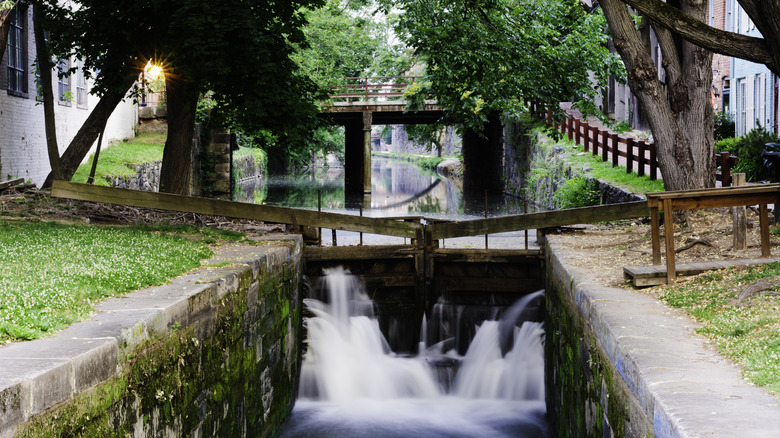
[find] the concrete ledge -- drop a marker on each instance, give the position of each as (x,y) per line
(38,376)
(684,387)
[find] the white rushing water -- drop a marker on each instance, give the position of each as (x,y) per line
(353,385)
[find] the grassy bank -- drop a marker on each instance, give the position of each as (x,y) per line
(746,331)
(424,162)
(604,171)
(52,274)
(114,160)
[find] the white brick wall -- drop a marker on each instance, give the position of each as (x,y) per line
(22,133)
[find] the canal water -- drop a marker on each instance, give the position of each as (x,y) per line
(353,385)
(398,189)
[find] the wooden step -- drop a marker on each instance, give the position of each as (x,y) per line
(652,275)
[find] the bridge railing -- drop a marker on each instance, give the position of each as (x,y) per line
(375,88)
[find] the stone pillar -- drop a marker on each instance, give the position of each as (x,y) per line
(353,155)
(367,152)
(483,161)
(216,166)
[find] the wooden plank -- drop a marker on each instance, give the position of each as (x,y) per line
(359,252)
(669,231)
(727,200)
(762,188)
(545,219)
(487,285)
(655,234)
(217,207)
(10,183)
(763,219)
(491,255)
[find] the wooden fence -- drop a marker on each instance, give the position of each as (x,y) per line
(372,88)
(640,155)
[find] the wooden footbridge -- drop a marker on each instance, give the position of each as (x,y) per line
(410,279)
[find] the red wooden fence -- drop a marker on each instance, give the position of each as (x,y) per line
(611,146)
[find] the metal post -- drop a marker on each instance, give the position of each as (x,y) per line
(319,209)
(361,233)
(525,211)
(486,215)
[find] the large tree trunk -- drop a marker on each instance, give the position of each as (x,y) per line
(678,110)
(5,27)
(176,171)
(89,131)
(44,69)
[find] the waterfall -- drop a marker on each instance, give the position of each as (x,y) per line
(353,384)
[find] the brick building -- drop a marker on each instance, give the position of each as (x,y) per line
(720,17)
(23,151)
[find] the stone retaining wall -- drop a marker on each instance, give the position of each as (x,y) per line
(621,363)
(147,178)
(214,353)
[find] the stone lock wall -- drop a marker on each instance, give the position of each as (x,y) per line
(587,397)
(214,353)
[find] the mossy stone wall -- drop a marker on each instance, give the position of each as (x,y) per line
(226,366)
(586,397)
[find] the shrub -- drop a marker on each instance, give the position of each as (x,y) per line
(726,145)
(749,149)
(577,192)
(724,125)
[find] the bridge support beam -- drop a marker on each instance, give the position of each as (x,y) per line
(483,163)
(357,155)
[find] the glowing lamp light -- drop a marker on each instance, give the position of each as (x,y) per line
(153,71)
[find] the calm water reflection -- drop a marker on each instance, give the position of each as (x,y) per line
(398,189)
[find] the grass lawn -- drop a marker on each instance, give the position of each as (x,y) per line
(747,332)
(113,160)
(616,176)
(52,274)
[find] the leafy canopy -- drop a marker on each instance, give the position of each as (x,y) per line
(490,55)
(240,50)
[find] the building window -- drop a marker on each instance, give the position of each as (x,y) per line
(81,86)
(63,82)
(17,74)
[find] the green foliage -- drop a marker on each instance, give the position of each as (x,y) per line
(490,55)
(51,274)
(342,40)
(241,51)
(577,192)
(621,127)
(724,126)
(617,176)
(6,5)
(726,145)
(748,149)
(118,159)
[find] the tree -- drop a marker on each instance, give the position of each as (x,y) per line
(240,50)
(47,94)
(489,55)
(763,13)
(678,106)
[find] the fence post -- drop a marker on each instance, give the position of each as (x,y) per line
(738,217)
(604,148)
(725,169)
(586,141)
(564,124)
(570,128)
(629,154)
(615,149)
(653,162)
(577,125)
(595,131)
(641,166)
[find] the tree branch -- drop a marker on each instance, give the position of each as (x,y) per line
(670,54)
(703,35)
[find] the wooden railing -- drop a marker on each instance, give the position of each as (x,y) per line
(372,88)
(639,155)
